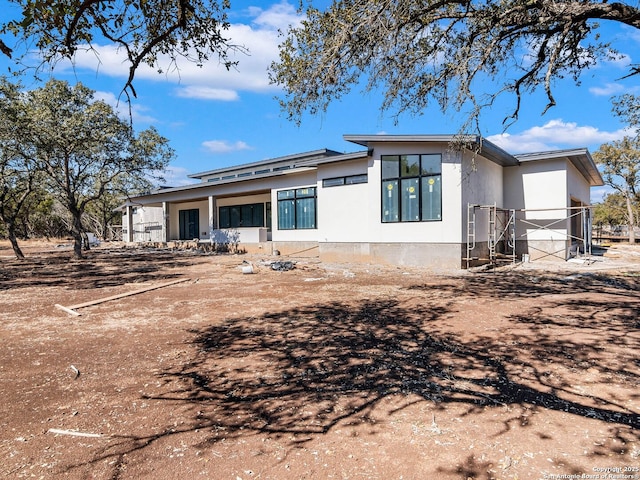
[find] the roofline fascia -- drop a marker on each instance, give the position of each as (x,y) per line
(323,151)
(486,148)
(591,168)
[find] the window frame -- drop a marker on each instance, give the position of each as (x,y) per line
(345,180)
(295,197)
(406,174)
(240,209)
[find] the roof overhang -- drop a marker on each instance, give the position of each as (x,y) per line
(474,143)
(579,157)
(338,158)
(288,160)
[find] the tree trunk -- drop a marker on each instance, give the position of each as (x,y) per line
(85,241)
(76,232)
(11,230)
(631,221)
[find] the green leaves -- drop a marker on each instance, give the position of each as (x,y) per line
(78,147)
(152,32)
(420,52)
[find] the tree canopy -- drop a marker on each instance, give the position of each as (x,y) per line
(59,139)
(620,161)
(18,172)
(421,52)
(152,32)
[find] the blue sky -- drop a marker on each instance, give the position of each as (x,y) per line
(215,118)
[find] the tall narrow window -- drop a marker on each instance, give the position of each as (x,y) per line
(189,224)
(411,188)
(297,209)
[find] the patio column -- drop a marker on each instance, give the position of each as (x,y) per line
(166,216)
(212,216)
(129,236)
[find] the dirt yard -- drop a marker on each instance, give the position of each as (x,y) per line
(321,372)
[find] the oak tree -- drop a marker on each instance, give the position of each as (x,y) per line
(151,32)
(620,163)
(84,149)
(459,54)
(18,170)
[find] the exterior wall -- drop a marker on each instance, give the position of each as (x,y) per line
(482,184)
(446,231)
(242,200)
(345,211)
(540,187)
(147,224)
(438,255)
(578,188)
(287,182)
(203,219)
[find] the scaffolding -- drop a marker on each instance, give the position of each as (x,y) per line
(500,232)
(506,229)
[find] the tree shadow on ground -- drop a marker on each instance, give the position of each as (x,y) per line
(535,284)
(304,371)
(99,269)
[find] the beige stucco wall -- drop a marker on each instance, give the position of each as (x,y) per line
(203,218)
(577,186)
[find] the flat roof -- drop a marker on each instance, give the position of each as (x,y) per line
(579,157)
(486,148)
(278,162)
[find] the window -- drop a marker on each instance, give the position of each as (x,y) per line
(349,180)
(235,216)
(411,188)
(297,209)
(189,224)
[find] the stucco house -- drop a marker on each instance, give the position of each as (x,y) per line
(437,200)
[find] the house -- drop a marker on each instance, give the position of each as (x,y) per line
(436,200)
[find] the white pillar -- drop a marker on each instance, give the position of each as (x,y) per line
(129,237)
(212,216)
(165,222)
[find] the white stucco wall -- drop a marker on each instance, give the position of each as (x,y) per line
(482,184)
(536,185)
(577,186)
(445,231)
(541,188)
(344,211)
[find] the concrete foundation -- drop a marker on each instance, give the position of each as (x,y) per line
(438,255)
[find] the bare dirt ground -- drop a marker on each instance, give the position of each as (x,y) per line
(324,371)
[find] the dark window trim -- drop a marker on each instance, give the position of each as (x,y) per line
(294,199)
(346,180)
(399,179)
(250,225)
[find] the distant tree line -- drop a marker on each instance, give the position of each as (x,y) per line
(67,161)
(620,167)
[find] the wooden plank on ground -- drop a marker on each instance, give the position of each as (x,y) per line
(71,308)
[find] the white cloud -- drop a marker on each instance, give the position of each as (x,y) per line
(125,110)
(555,134)
(223,146)
(276,17)
(608,90)
(207,93)
(598,193)
(260,38)
(177,177)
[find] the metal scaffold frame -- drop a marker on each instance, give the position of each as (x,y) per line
(502,235)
